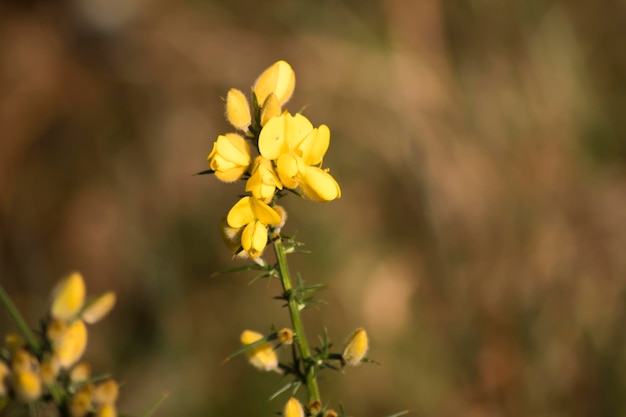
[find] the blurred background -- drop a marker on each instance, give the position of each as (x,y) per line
(480,238)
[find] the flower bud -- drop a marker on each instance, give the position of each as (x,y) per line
(230,157)
(49,370)
(98,308)
(27,386)
(106,393)
(70,347)
(278,79)
(238,109)
(293,408)
(81,402)
(315,407)
(261,356)
(80,372)
(356,349)
(68,297)
(285,336)
(271,108)
(14,342)
(330,413)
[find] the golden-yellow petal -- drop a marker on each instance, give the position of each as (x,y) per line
(319,185)
(254,239)
(264,213)
(72,345)
(262,356)
(293,408)
(271,108)
(99,308)
(356,348)
(278,79)
(240,214)
(238,109)
(68,297)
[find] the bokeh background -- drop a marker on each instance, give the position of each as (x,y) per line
(480,238)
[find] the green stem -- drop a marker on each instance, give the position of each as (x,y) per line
(19,320)
(296,320)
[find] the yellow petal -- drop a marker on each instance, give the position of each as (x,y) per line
(238,109)
(293,408)
(319,185)
(278,79)
(270,109)
(240,214)
(72,345)
(99,308)
(281,133)
(254,239)
(264,213)
(107,411)
(27,386)
(230,157)
(69,296)
(261,356)
(356,348)
(315,145)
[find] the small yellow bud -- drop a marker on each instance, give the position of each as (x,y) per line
(230,157)
(278,79)
(270,108)
(49,370)
(283,217)
(80,372)
(4,373)
(285,336)
(27,386)
(108,410)
(315,407)
(356,349)
(238,109)
(14,342)
(106,393)
(81,402)
(22,360)
(56,331)
(293,408)
(261,356)
(98,308)
(71,346)
(68,297)
(330,413)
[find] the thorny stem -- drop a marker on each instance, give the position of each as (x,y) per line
(296,320)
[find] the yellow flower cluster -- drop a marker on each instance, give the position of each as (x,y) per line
(290,154)
(29,373)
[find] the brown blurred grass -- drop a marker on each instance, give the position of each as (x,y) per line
(480,237)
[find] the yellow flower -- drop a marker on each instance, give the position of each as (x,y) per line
(27,385)
(80,372)
(263,180)
(254,216)
(68,297)
(262,356)
(98,308)
(81,402)
(356,348)
(70,346)
(278,79)
(293,408)
(230,157)
(238,109)
(298,149)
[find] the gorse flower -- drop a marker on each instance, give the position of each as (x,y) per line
(356,348)
(45,370)
(230,157)
(298,149)
(290,156)
(293,408)
(261,356)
